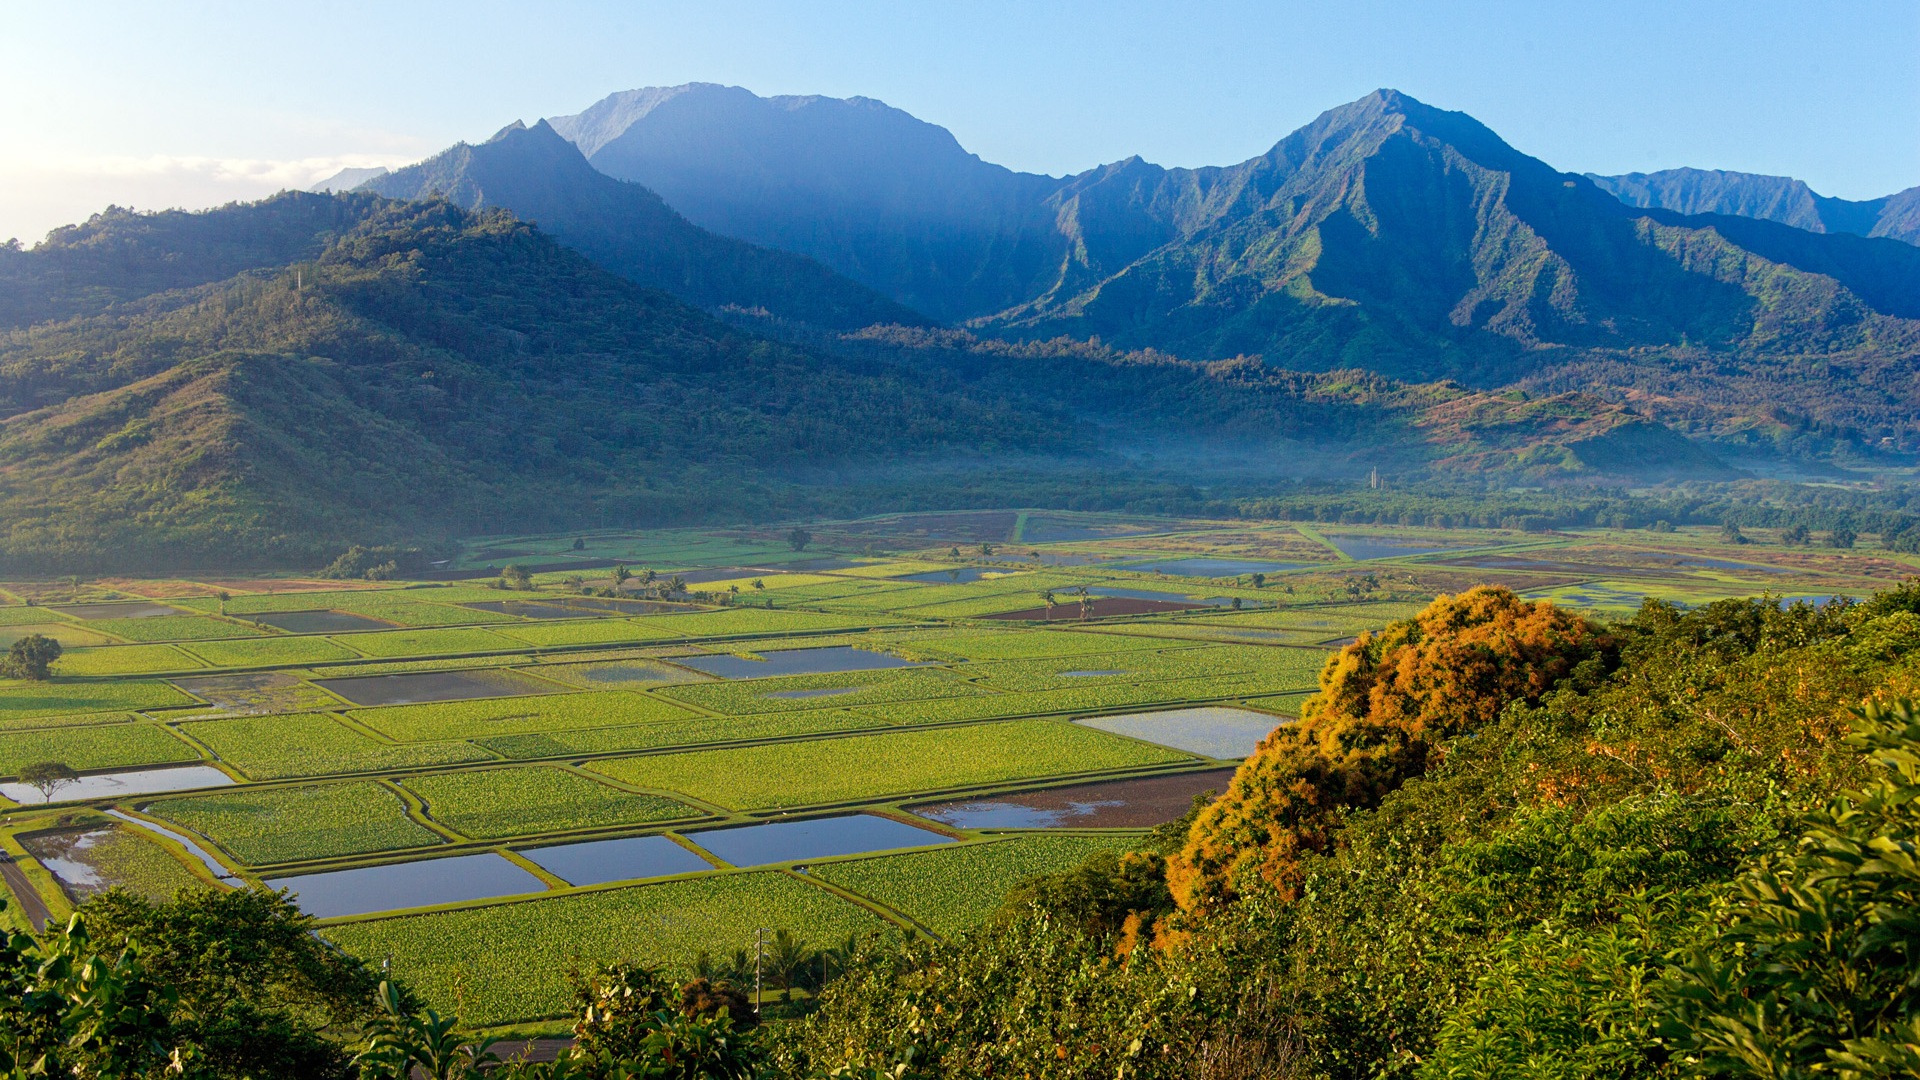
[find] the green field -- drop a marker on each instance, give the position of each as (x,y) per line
(510,961)
(315,744)
(393,643)
(24,699)
(125,660)
(874,766)
(951,890)
(517,715)
(844,690)
(95,746)
(291,824)
(173,628)
(262,652)
(713,729)
(529,800)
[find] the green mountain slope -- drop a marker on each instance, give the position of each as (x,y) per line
(624,227)
(432,370)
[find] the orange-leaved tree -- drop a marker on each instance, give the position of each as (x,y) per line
(1385,702)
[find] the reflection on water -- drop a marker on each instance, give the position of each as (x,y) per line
(813,838)
(1204,567)
(1212,731)
(595,862)
(1361,548)
(409,884)
(1114,804)
(135,782)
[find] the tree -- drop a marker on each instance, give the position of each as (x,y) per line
(518,577)
(1815,973)
(953,552)
(579,543)
(1730,534)
(1086,601)
(1259,580)
(674,587)
(1047,598)
(647,576)
(986,550)
(31,657)
(1795,535)
(621,575)
(1841,537)
(759,585)
(1385,701)
(48,777)
(799,538)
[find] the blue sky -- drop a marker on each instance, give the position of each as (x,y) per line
(192,104)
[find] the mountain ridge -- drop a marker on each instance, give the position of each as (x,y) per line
(1770,198)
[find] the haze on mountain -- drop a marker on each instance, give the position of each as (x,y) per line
(1386,235)
(626,228)
(1772,198)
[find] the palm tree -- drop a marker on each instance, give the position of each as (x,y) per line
(787,962)
(1047,598)
(1086,601)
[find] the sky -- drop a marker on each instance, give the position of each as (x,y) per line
(192,104)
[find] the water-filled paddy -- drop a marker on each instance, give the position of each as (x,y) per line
(1213,731)
(630,858)
(137,609)
(319,622)
(215,866)
(135,782)
(832,659)
(1204,567)
(90,861)
(421,686)
(1108,804)
(532,609)
(409,884)
(814,838)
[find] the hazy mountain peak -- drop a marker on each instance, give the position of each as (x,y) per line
(348,179)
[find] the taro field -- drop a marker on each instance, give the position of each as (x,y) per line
(526,778)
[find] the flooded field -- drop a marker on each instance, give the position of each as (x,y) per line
(1154,594)
(416,687)
(136,782)
(596,862)
(319,622)
(410,884)
(91,861)
(621,672)
(1211,731)
(814,838)
(1108,804)
(831,659)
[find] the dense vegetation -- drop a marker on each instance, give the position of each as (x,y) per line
(1502,841)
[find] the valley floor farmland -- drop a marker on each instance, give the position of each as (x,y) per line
(451,753)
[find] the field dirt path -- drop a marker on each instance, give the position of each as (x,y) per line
(29,897)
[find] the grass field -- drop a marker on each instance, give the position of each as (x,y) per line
(23,699)
(510,961)
(290,824)
(681,733)
(517,715)
(836,690)
(951,890)
(527,800)
(125,660)
(315,744)
(262,652)
(95,746)
(392,643)
(879,765)
(173,628)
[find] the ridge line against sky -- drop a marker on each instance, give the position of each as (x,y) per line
(197,103)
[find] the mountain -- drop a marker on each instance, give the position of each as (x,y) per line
(348,179)
(1771,198)
(263,384)
(627,229)
(890,201)
(408,370)
(1386,235)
